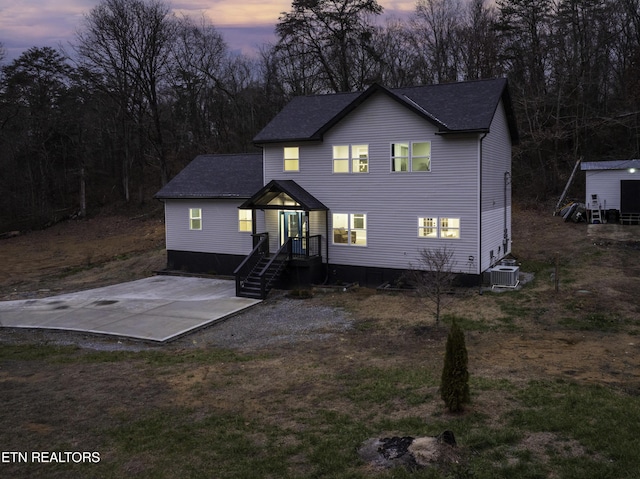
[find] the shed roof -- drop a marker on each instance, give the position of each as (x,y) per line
(216,176)
(453,107)
(610,165)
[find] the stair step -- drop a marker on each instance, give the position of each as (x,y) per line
(247,294)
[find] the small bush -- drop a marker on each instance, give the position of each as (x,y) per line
(454,386)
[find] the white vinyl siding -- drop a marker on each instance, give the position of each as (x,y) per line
(606,184)
(219,233)
(391,201)
(496,174)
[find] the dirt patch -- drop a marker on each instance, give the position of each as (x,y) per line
(80,254)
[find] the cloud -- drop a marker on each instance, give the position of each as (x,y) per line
(246,24)
(233,13)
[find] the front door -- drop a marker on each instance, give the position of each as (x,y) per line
(292,225)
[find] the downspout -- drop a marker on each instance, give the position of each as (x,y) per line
(505,238)
(480,216)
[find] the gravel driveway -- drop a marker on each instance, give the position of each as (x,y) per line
(279,320)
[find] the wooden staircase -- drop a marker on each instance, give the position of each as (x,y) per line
(259,271)
(262,277)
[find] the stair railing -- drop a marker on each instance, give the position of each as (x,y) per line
(280,258)
(247,266)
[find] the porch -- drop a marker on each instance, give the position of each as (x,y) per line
(296,241)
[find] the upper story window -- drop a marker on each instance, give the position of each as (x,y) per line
(351,159)
(195,218)
(415,156)
(245,223)
(400,157)
(350,229)
(291,158)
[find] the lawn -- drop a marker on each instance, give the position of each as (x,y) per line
(555,382)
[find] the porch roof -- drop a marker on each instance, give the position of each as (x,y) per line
(283,195)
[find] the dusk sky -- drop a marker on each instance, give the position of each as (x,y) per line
(245,24)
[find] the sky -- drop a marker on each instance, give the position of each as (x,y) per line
(244,24)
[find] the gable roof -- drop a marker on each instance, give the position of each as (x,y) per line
(610,165)
(216,176)
(461,107)
(275,194)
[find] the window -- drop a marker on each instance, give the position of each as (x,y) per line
(446,228)
(421,156)
(341,159)
(291,158)
(450,228)
(411,157)
(350,229)
(428,227)
(359,158)
(195,218)
(400,157)
(245,223)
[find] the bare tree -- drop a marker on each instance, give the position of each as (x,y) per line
(199,56)
(433,276)
(435,26)
(335,34)
(479,42)
(126,44)
(395,67)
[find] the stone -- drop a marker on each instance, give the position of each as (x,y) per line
(409,452)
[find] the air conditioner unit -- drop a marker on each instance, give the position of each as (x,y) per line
(505,276)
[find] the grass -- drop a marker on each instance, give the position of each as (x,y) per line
(594,431)
(303,410)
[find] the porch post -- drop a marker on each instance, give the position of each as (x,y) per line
(306,234)
(254,228)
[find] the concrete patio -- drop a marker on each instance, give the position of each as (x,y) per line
(159,308)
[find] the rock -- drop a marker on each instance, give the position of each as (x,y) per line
(408,451)
(388,452)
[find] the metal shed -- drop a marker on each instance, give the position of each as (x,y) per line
(613,190)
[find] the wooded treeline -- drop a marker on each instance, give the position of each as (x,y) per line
(142,91)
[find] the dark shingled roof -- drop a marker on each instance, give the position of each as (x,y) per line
(216,176)
(306,200)
(453,107)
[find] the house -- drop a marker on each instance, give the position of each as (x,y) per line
(205,231)
(353,186)
(613,190)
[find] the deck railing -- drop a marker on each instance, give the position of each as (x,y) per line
(301,248)
(260,250)
(271,271)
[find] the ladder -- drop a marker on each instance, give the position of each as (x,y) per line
(596,212)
